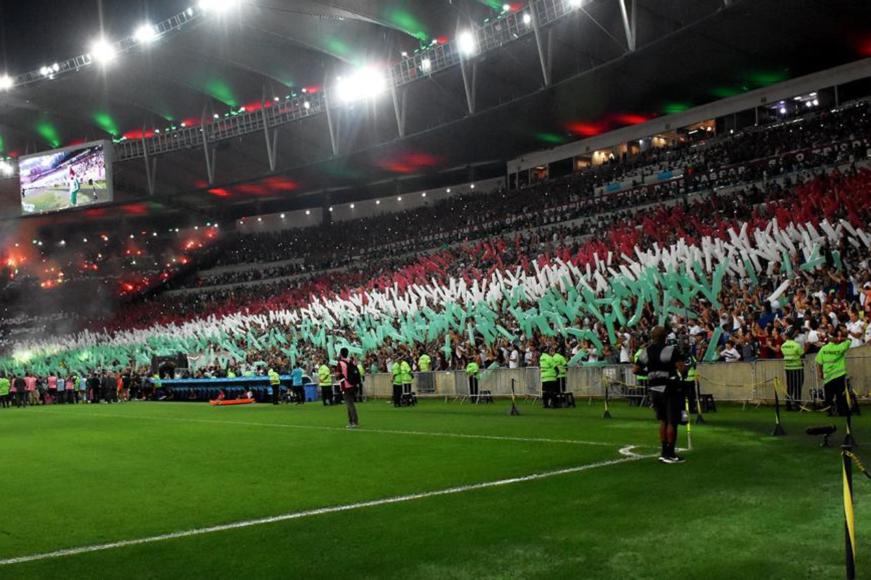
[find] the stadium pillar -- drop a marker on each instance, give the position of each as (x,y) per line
(399,101)
(469,78)
(330,125)
(208,151)
(542,56)
(629,23)
(150,165)
(271,140)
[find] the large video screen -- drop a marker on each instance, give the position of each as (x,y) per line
(68,178)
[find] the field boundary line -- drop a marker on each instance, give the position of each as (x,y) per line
(627,456)
(343,429)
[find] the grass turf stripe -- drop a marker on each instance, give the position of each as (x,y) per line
(343,429)
(627,455)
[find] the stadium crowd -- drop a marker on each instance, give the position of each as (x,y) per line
(503,232)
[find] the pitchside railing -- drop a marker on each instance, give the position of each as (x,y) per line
(752,382)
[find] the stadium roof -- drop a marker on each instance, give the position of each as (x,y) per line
(687,52)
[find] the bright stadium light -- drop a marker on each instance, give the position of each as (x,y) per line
(527,18)
(425,65)
(6,82)
(365,83)
(102,51)
(576,3)
(6,169)
(466,43)
(145,33)
(218,6)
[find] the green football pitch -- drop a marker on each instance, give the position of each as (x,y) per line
(439,491)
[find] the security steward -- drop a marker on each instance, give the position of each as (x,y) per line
(794,368)
(664,365)
(275,385)
(325,382)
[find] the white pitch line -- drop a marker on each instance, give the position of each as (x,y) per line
(360,430)
(627,456)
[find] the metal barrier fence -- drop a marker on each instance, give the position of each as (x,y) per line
(740,382)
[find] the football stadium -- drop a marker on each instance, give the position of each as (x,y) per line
(437,289)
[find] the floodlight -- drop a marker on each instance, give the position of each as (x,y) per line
(102,51)
(365,83)
(145,33)
(218,6)
(6,83)
(6,168)
(466,43)
(575,3)
(425,65)
(527,18)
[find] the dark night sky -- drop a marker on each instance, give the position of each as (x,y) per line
(37,32)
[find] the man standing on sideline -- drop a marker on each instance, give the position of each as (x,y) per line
(325,382)
(275,385)
(549,381)
(396,371)
(4,391)
(20,391)
(794,367)
(349,380)
(561,365)
(833,371)
(296,385)
(472,372)
(664,365)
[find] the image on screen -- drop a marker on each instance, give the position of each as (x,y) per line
(66,178)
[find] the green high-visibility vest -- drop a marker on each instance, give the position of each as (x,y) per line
(325,377)
(472,369)
(792,353)
(643,375)
(831,358)
(548,368)
(561,365)
(424,363)
(274,378)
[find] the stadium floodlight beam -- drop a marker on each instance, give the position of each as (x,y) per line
(365,83)
(6,82)
(425,65)
(218,6)
(466,43)
(145,33)
(6,169)
(103,51)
